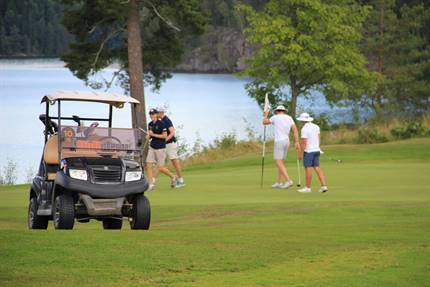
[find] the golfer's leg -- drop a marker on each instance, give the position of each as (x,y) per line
(161,160)
(150,160)
(172,154)
(321,176)
(308,171)
(166,171)
(149,173)
(177,166)
(281,179)
(282,169)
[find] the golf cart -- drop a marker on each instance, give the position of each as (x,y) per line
(89,172)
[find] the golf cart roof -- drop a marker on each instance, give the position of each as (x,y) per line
(112,99)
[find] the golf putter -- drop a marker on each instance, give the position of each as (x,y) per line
(298,172)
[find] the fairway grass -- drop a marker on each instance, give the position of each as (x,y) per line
(371,229)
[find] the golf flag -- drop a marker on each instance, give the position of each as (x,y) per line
(266,104)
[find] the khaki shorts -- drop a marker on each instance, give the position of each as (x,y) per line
(280,149)
(172,151)
(156,156)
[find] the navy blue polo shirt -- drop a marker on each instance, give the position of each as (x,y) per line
(157,128)
(168,124)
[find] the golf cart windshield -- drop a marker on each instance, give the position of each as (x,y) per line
(96,141)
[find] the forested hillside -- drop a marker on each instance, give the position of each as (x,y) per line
(31,28)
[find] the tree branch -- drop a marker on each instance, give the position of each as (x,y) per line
(112,34)
(167,21)
(108,84)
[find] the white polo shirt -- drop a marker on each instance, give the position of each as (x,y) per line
(282,124)
(311,132)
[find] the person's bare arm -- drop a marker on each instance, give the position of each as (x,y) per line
(171,134)
(303,144)
(162,136)
(266,120)
(296,138)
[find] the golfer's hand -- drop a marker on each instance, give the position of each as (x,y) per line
(297,146)
(147,136)
(299,156)
(266,114)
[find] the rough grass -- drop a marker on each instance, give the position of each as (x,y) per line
(371,229)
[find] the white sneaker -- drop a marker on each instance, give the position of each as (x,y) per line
(180,182)
(305,190)
(276,185)
(324,188)
(286,185)
(151,187)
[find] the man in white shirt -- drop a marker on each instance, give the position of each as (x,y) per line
(310,142)
(283,124)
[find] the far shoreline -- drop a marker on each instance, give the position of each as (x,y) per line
(177,71)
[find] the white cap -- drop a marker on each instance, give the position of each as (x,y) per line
(305,117)
(281,108)
(161,109)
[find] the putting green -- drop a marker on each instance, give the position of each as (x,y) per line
(371,229)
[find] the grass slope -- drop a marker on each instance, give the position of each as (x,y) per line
(371,229)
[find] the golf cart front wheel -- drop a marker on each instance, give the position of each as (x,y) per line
(141,213)
(112,223)
(64,212)
(36,221)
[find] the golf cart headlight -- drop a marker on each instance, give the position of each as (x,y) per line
(133,175)
(78,174)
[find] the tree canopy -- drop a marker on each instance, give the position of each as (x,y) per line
(31,28)
(397,44)
(306,45)
(100,33)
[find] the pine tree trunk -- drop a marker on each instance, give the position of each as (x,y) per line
(294,95)
(381,35)
(380,91)
(135,65)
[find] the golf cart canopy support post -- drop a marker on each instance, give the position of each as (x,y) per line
(59,132)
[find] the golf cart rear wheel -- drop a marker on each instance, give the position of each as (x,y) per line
(36,221)
(64,212)
(112,223)
(141,213)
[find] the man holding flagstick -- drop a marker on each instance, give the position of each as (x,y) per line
(283,124)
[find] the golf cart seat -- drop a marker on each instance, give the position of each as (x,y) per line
(50,156)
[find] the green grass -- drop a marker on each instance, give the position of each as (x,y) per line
(371,229)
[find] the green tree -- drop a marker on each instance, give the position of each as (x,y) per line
(129,33)
(306,45)
(28,28)
(397,44)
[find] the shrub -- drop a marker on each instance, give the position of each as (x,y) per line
(368,135)
(412,129)
(8,175)
(226,141)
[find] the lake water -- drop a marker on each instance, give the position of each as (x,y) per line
(201,105)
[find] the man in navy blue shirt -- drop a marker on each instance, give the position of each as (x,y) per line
(171,146)
(157,134)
